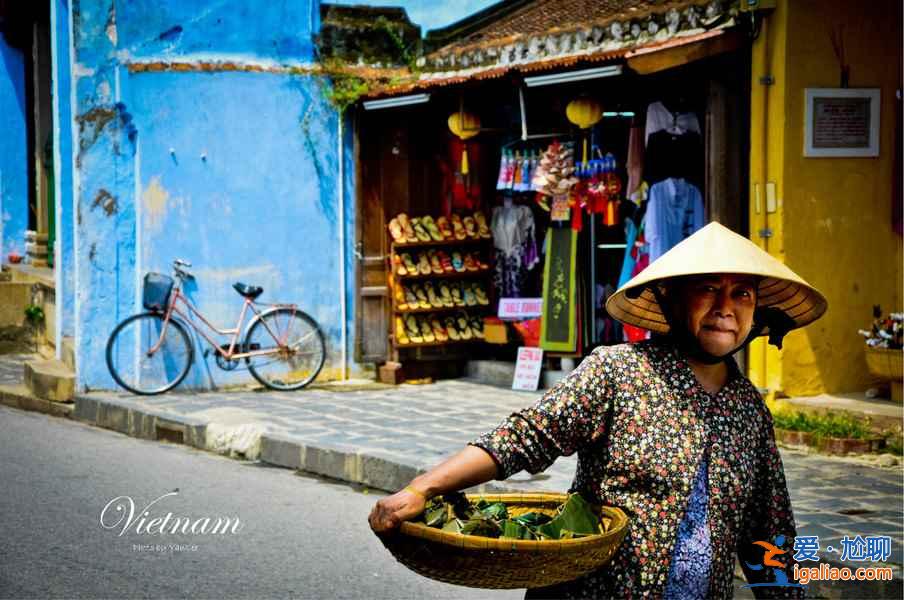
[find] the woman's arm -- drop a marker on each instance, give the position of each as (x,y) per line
(472,466)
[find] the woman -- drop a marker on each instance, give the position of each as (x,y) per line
(668,429)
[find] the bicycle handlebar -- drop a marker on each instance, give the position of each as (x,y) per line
(181,263)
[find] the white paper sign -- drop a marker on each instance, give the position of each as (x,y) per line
(520,308)
(527,369)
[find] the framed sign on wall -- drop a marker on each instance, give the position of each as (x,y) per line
(841,122)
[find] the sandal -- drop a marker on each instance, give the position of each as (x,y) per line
(435,302)
(482,228)
(422,300)
(400,298)
(463,329)
(406,228)
(419,230)
(411,328)
(398,267)
(409,264)
(444,228)
(426,331)
(411,302)
(458,228)
(432,229)
(451,330)
(481,295)
(480,262)
(423,264)
(445,261)
(477,327)
(401,336)
(434,262)
(398,236)
(457,299)
(470,227)
(445,295)
(438,331)
(470,263)
(468,293)
(457,263)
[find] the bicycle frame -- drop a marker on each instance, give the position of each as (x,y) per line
(230,353)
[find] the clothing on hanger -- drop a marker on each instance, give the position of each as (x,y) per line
(660,118)
(674,212)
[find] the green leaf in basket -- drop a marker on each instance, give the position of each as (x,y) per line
(453,526)
(532,519)
(515,530)
(496,511)
(576,517)
(481,526)
(436,516)
(460,505)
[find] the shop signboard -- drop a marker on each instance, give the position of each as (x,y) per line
(520,308)
(841,122)
(558,332)
(527,369)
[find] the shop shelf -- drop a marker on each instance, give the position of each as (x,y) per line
(452,242)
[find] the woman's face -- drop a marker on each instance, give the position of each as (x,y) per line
(718,310)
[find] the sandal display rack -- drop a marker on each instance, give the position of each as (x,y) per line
(451,279)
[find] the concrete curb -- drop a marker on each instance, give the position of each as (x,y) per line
(19,396)
(373,469)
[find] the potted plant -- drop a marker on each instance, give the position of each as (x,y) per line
(34,314)
(884,356)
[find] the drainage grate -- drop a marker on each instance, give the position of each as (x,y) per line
(170,435)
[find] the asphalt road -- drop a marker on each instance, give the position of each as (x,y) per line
(299,536)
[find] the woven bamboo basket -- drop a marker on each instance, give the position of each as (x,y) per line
(887,364)
(483,562)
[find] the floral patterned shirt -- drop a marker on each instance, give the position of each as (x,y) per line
(641,423)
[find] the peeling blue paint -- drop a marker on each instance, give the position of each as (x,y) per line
(13,150)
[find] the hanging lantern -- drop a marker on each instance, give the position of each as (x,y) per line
(585,112)
(464,126)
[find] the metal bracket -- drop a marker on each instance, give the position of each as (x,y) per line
(767,80)
(765,233)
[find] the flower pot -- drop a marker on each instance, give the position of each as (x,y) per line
(888,365)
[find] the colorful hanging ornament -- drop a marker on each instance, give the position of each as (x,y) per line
(465,126)
(585,112)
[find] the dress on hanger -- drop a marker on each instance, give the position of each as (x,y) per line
(674,212)
(516,252)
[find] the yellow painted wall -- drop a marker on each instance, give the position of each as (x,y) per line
(834,220)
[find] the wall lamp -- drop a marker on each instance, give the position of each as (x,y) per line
(397,101)
(570,76)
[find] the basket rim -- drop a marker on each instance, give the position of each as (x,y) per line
(458,540)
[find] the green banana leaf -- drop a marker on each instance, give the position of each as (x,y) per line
(453,526)
(515,530)
(436,516)
(481,526)
(532,519)
(576,516)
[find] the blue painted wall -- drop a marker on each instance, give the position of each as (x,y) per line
(63,166)
(13,152)
(232,170)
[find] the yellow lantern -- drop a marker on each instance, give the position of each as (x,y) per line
(464,126)
(584,112)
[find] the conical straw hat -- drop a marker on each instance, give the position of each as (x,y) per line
(716,249)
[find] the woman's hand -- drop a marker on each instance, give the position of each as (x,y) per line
(390,512)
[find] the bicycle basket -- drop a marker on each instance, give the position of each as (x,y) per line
(157,289)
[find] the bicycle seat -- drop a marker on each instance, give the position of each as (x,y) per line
(248,291)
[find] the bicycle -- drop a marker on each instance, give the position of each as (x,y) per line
(151,352)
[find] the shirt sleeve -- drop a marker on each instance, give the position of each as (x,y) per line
(767,516)
(568,417)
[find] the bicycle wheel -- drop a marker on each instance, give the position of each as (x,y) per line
(297,345)
(147,374)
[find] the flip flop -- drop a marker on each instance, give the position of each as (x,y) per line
(445,261)
(438,330)
(419,230)
(463,329)
(480,262)
(398,236)
(422,300)
(432,229)
(400,298)
(444,228)
(470,263)
(426,331)
(470,227)
(457,263)
(445,294)
(407,228)
(450,329)
(401,336)
(398,266)
(477,327)
(458,228)
(410,299)
(468,293)
(409,264)
(481,295)
(423,264)
(482,228)
(456,296)
(435,264)
(411,328)
(431,296)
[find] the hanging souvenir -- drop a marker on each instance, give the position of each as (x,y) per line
(554,175)
(585,112)
(464,126)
